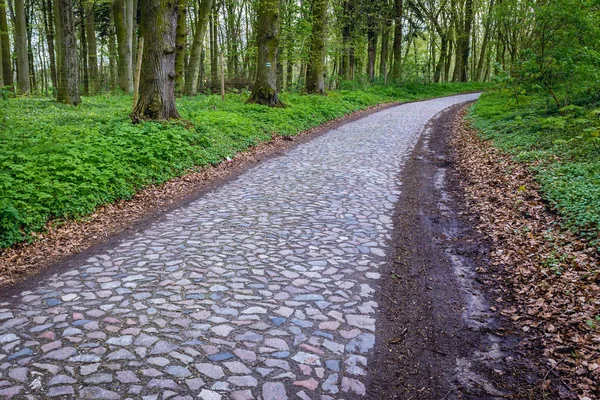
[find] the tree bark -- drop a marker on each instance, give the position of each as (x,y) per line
(398,14)
(5,46)
(466,45)
(23,84)
(122,9)
(49,30)
(214,51)
(68,83)
(112,53)
(265,87)
(385,46)
(371,50)
(90,29)
(193,71)
(180,46)
(84,53)
(158,27)
(315,81)
(346,65)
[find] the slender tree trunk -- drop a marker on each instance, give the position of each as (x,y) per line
(347,63)
(315,81)
(398,14)
(289,77)
(440,65)
(122,9)
(92,47)
(193,71)
(180,46)
(84,54)
(23,83)
(28,24)
(68,84)
(385,45)
(466,46)
(372,49)
(485,43)
(5,46)
(214,51)
(48,17)
(265,88)
(158,27)
(112,50)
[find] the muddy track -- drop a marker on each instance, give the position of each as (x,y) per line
(439,339)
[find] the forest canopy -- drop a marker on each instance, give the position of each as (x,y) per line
(67,48)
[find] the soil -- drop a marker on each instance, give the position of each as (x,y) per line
(440,336)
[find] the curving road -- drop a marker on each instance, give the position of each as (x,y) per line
(262,288)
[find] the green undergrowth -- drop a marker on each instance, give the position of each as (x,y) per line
(59,162)
(561,145)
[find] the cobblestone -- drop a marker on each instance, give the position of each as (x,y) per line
(262,288)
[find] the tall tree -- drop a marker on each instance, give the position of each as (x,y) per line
(315,81)
(158,26)
(123,18)
(67,71)
(193,71)
(23,84)
(466,41)
(5,46)
(265,87)
(92,48)
(180,46)
(48,17)
(398,15)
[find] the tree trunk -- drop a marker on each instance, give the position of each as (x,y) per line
(68,84)
(193,71)
(112,53)
(5,46)
(347,40)
(486,37)
(289,77)
(466,45)
(49,30)
(398,14)
(180,46)
(122,9)
(84,54)
(28,24)
(214,51)
(23,84)
(385,45)
(158,27)
(372,49)
(315,81)
(440,65)
(90,29)
(265,87)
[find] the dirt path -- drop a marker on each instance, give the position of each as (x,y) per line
(439,337)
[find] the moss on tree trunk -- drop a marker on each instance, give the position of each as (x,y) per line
(265,88)
(315,81)
(157,81)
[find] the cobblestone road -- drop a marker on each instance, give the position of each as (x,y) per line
(262,288)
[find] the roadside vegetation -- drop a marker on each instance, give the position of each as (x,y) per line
(59,162)
(562,146)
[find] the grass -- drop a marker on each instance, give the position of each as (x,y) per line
(562,146)
(59,162)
